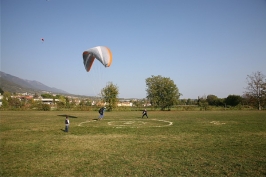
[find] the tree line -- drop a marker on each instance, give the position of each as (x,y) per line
(162,94)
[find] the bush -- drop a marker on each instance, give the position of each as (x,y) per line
(45,107)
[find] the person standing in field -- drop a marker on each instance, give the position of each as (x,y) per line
(144,113)
(67,124)
(101,111)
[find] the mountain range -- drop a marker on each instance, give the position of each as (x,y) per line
(14,84)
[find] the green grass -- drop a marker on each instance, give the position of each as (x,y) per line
(198,143)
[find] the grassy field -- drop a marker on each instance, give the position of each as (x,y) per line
(170,143)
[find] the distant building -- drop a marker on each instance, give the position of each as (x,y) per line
(125,104)
(47,100)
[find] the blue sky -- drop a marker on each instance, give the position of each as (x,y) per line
(204,46)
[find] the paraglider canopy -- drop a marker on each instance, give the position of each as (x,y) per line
(101,53)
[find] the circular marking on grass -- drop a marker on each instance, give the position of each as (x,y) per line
(125,123)
(129,123)
(217,123)
(80,124)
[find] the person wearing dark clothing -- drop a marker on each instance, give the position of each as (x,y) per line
(101,111)
(67,124)
(144,113)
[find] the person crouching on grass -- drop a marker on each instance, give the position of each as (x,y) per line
(67,124)
(144,113)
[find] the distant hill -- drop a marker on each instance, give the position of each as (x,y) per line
(15,84)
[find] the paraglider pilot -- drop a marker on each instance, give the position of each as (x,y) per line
(101,111)
(144,113)
(67,124)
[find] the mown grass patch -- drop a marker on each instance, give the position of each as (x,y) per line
(218,143)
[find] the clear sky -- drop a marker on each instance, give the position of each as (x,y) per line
(204,46)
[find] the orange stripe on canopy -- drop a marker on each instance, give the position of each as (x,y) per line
(111,57)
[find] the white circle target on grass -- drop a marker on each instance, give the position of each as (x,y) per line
(128,123)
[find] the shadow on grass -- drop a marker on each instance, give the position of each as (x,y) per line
(64,115)
(63,130)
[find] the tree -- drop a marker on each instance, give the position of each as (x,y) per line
(212,99)
(233,100)
(45,107)
(88,102)
(1,91)
(203,103)
(62,100)
(5,100)
(46,95)
(109,95)
(36,96)
(82,103)
(256,88)
(162,92)
(137,103)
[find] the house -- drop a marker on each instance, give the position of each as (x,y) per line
(125,104)
(47,100)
